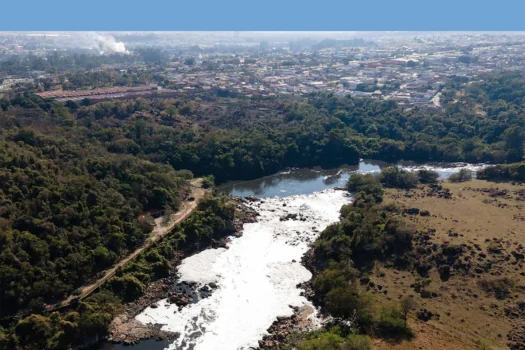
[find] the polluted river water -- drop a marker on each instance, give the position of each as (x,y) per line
(257,276)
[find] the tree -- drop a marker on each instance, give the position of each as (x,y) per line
(172,111)
(427,176)
(514,142)
(407,304)
(4,340)
(34,332)
(95,324)
(390,323)
(190,61)
(461,176)
(367,183)
(398,178)
(128,286)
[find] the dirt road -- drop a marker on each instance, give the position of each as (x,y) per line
(187,207)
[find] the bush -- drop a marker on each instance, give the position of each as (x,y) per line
(366,183)
(357,342)
(345,302)
(391,323)
(4,340)
(333,340)
(323,341)
(503,172)
(427,176)
(128,287)
(461,176)
(390,207)
(499,287)
(34,332)
(394,177)
(208,181)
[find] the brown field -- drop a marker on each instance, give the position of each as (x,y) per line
(488,220)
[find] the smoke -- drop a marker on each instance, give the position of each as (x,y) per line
(108,44)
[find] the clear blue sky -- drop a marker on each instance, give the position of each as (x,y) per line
(239,15)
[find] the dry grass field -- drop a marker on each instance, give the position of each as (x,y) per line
(470,246)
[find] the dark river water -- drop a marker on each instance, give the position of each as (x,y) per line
(148,344)
(306,181)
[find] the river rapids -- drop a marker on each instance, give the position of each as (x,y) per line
(257,276)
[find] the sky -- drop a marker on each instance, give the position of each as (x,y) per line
(259,15)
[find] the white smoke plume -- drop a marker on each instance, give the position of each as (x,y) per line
(108,44)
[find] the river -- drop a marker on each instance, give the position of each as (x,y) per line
(307,181)
(257,275)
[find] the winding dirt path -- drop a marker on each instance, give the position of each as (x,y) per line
(197,192)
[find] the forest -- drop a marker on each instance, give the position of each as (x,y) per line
(244,138)
(80,182)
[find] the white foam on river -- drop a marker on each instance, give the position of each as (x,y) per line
(257,276)
(446,171)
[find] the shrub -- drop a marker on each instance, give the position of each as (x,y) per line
(398,178)
(34,332)
(208,181)
(366,183)
(4,340)
(324,341)
(427,176)
(406,304)
(345,302)
(128,287)
(333,340)
(461,176)
(390,206)
(499,287)
(357,342)
(503,172)
(421,284)
(391,323)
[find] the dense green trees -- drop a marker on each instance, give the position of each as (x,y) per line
(69,208)
(61,223)
(346,250)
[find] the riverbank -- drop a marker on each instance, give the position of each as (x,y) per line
(284,327)
(126,329)
(257,276)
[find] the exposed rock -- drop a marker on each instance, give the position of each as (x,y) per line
(289,216)
(283,327)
